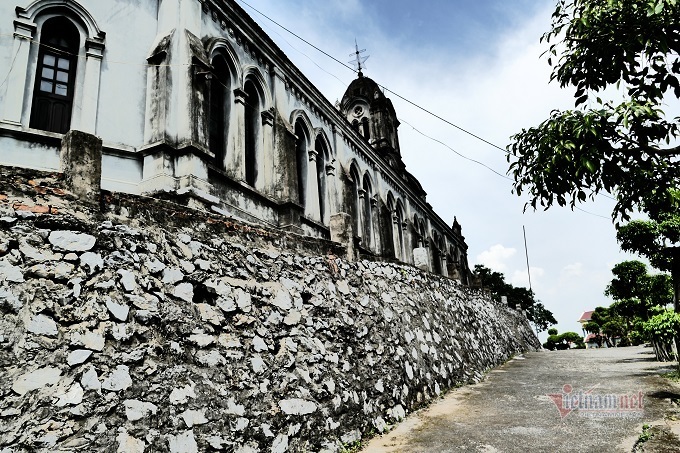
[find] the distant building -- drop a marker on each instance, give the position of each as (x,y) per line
(589,339)
(192,98)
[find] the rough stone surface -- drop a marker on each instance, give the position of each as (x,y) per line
(43,325)
(71,241)
(174,331)
(137,410)
(35,380)
(78,356)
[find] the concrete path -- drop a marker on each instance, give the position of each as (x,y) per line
(516,408)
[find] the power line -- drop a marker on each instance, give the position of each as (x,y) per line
(381,86)
(456,152)
(592,213)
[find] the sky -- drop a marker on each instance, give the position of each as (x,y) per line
(478,64)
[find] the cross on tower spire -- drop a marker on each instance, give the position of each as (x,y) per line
(358,60)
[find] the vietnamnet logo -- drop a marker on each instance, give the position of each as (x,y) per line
(591,404)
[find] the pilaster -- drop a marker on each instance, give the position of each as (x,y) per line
(15,90)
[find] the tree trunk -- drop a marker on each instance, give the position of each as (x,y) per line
(675,274)
(663,351)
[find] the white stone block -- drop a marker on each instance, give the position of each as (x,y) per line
(78,356)
(71,241)
(36,379)
(297,406)
(43,325)
(421,258)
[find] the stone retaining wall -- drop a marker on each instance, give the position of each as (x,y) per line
(150,327)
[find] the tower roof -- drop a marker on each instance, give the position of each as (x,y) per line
(362,87)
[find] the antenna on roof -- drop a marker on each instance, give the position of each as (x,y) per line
(358,61)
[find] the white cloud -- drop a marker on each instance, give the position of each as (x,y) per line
(572,270)
(495,257)
(521,278)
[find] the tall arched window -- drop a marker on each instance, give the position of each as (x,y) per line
(321,160)
(367,212)
(420,239)
(253,108)
(55,76)
(302,159)
(436,253)
(356,192)
(219,109)
(399,224)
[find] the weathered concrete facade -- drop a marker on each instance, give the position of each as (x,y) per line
(192,97)
(141,325)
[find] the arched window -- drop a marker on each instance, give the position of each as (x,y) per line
(55,76)
(321,160)
(219,109)
(436,253)
(366,128)
(355,125)
(356,191)
(420,238)
(367,212)
(253,110)
(302,160)
(399,225)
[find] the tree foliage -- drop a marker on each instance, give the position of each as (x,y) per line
(541,317)
(663,326)
(662,329)
(635,291)
(655,239)
(617,147)
(563,341)
(494,282)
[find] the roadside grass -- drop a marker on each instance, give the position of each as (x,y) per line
(646,435)
(672,376)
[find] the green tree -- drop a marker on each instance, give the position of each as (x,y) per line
(562,341)
(541,317)
(606,146)
(631,281)
(495,283)
(635,292)
(572,337)
(594,328)
(658,240)
(591,327)
(608,323)
(661,329)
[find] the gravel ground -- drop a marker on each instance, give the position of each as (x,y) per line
(512,410)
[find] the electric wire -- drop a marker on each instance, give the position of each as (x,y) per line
(456,152)
(381,86)
(305,55)
(11,66)
(32,41)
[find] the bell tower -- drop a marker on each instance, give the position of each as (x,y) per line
(372,115)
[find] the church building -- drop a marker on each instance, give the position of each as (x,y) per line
(191,98)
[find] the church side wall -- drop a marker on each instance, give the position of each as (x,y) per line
(151,327)
(151,111)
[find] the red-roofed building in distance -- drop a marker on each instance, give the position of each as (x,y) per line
(589,339)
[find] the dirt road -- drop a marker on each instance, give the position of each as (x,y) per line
(605,395)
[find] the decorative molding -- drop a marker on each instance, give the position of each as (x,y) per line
(330,168)
(240,96)
(24,30)
(268,117)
